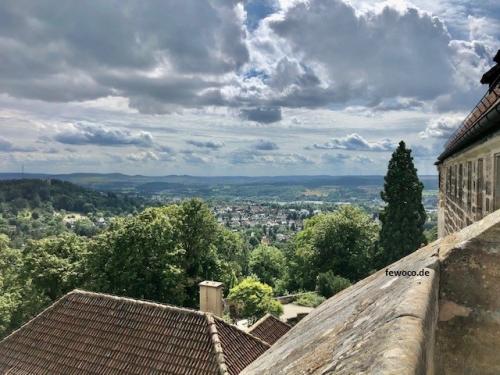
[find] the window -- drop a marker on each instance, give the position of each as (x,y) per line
(469,185)
(454,183)
(497,182)
(460,184)
(448,181)
(479,188)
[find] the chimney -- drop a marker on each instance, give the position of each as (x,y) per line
(211,297)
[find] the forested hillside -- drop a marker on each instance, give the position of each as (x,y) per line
(16,195)
(37,208)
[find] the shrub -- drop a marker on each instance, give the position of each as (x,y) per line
(310,300)
(253,299)
(329,284)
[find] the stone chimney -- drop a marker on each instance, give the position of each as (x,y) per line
(211,297)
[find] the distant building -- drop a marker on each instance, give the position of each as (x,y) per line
(469,167)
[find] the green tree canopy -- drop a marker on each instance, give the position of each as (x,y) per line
(404,216)
(10,283)
(56,265)
(163,253)
(253,299)
(342,242)
(267,263)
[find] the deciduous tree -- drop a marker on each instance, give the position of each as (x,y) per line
(253,299)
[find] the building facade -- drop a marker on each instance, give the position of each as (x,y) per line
(469,167)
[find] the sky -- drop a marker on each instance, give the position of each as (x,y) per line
(227,87)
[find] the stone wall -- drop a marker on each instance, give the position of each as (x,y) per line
(444,323)
(467,185)
(468,329)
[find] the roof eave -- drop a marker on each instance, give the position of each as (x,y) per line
(484,125)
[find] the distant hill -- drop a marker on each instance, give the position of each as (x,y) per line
(16,194)
(286,188)
(118,181)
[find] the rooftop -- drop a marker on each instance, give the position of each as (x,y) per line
(269,329)
(92,333)
(484,117)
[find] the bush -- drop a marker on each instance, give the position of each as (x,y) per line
(252,299)
(309,300)
(329,284)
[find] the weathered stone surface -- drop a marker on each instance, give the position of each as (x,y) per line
(389,325)
(381,325)
(468,335)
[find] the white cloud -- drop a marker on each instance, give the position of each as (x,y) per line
(341,158)
(84,134)
(442,126)
(213,145)
(265,145)
(356,142)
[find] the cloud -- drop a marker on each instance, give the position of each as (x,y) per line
(8,146)
(83,134)
(194,158)
(356,142)
(213,145)
(341,158)
(265,145)
(366,48)
(256,10)
(160,51)
(443,126)
(265,115)
(246,156)
(146,156)
(251,57)
(241,156)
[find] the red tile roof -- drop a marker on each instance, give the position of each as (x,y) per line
(91,333)
(269,329)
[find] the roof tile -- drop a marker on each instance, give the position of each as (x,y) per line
(91,333)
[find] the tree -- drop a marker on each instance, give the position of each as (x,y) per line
(233,253)
(403,217)
(85,227)
(267,263)
(329,284)
(163,253)
(253,299)
(10,283)
(56,265)
(140,257)
(342,242)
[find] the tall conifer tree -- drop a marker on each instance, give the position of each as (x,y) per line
(403,217)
